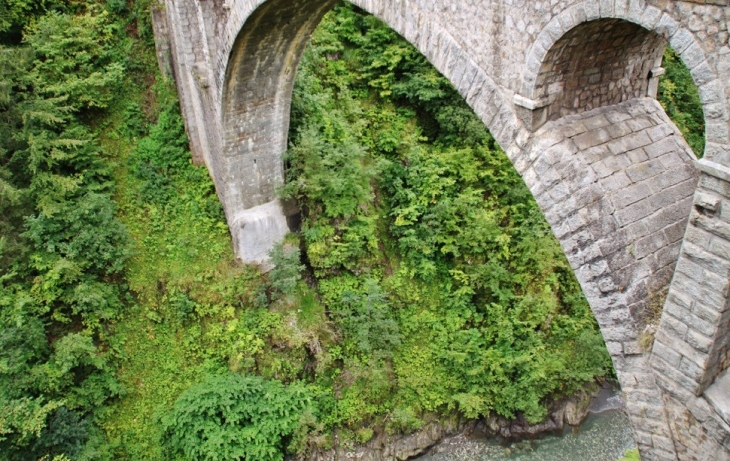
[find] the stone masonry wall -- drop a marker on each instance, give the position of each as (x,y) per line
(597,64)
(692,342)
(616,185)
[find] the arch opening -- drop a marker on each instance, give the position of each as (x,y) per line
(596,64)
(607,61)
(256,101)
(449,249)
(256,98)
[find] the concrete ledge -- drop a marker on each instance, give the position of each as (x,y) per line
(527,103)
(256,230)
(714,169)
(718,395)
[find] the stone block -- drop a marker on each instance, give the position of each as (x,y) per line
(618,333)
(634,212)
(698,237)
(682,389)
(595,122)
(709,313)
(592,138)
(681,40)
(645,170)
(699,341)
(649,245)
(630,142)
(674,326)
(650,18)
(636,9)
(699,324)
(691,370)
(720,247)
(619,130)
(661,147)
(612,180)
(640,123)
(667,354)
(614,347)
(717,131)
(631,194)
(637,156)
(659,132)
(701,74)
(693,55)
(643,438)
(717,395)
(712,92)
(666,26)
(621,8)
(675,232)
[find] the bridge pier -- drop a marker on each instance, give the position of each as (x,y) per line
(616,185)
(256,230)
(692,347)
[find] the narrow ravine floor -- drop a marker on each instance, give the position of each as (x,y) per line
(602,437)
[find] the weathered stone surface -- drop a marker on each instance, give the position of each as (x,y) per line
(566,88)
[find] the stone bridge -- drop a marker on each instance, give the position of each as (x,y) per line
(567,88)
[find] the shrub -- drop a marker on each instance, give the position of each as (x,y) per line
(235,417)
(287,271)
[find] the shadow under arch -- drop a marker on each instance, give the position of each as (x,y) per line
(256,90)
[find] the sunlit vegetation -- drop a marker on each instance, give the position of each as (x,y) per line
(681,100)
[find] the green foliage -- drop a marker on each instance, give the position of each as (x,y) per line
(631,455)
(366,317)
(235,417)
(16,14)
(287,271)
(65,435)
(63,247)
(438,269)
(75,58)
(680,98)
(161,155)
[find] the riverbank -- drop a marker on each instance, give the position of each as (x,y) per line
(590,424)
(601,437)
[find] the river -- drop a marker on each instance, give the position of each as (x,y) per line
(604,436)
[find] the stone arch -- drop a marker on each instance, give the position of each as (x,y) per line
(618,201)
(652,30)
(263,44)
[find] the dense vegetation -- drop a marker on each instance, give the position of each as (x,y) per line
(424,280)
(681,100)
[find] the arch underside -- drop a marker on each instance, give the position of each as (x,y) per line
(256,100)
(597,64)
(256,106)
